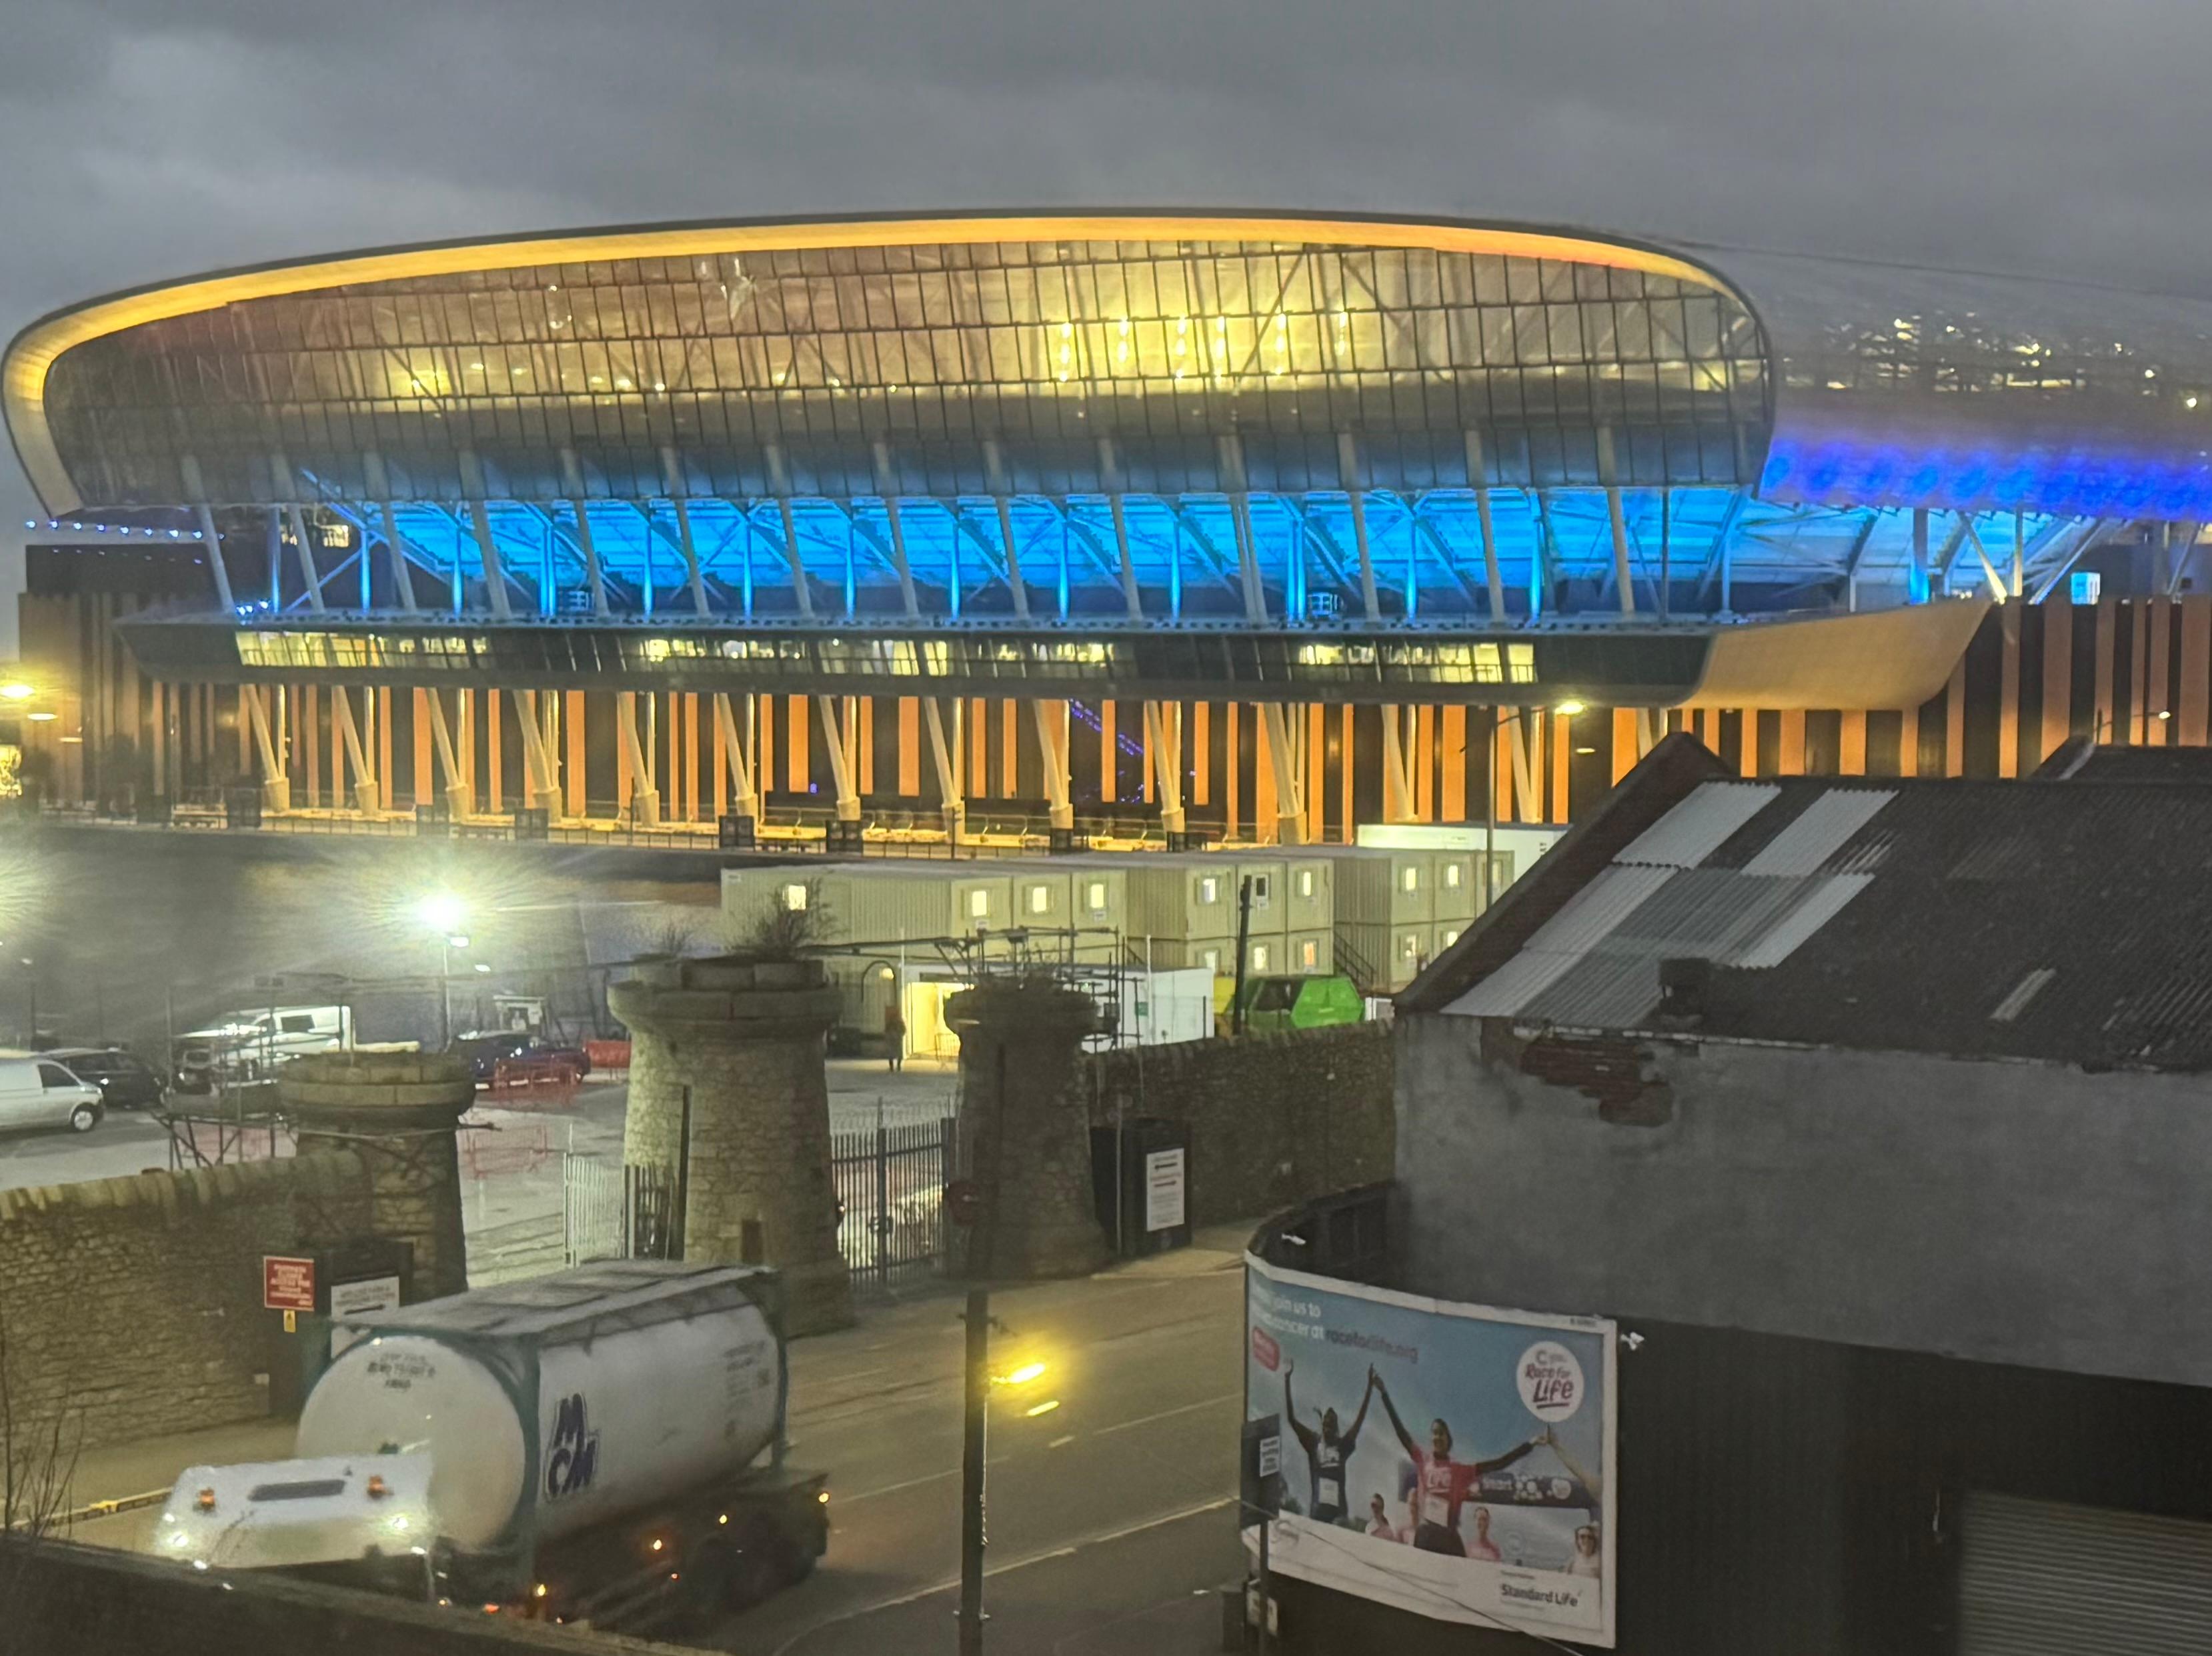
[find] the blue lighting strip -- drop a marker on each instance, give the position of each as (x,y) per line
(1717,550)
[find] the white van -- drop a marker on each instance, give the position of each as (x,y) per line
(37,1092)
(250,1044)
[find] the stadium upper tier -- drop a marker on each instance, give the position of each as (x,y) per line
(1289,421)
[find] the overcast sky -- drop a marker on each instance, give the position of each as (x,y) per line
(145,139)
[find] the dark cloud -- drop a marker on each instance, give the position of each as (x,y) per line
(152,138)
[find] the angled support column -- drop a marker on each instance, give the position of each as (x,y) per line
(671,473)
(366,797)
(838,731)
(1002,497)
(779,484)
(644,797)
(887,487)
(310,579)
(276,785)
(1052,746)
(494,573)
(730,733)
(541,786)
(1110,471)
(402,578)
(1478,478)
(572,480)
(1285,757)
(1163,733)
(459,796)
(1397,779)
(953,800)
(1524,735)
(1355,490)
(1624,579)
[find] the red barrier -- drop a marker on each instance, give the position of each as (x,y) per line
(524,1081)
(610,1058)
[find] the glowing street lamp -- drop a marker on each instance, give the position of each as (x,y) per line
(17,691)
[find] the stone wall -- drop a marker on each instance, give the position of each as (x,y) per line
(1274,1119)
(91,1602)
(2028,1214)
(138,1300)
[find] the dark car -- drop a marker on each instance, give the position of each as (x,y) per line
(487,1049)
(126,1082)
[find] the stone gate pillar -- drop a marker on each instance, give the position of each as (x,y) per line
(743,1040)
(399,1112)
(1026,1130)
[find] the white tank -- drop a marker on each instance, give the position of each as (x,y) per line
(547,1406)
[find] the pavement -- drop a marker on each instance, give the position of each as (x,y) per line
(1112,1478)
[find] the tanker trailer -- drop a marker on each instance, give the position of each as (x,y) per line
(604,1444)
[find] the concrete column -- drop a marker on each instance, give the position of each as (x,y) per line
(734,1046)
(399,1112)
(1026,1130)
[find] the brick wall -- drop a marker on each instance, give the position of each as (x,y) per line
(136,1301)
(91,1602)
(1274,1119)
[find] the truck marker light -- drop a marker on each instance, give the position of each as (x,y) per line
(205,1500)
(377,1487)
(541,1590)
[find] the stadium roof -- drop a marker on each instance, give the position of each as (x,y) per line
(1107,390)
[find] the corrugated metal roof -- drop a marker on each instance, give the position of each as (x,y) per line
(1612,895)
(1600,991)
(1824,900)
(1704,911)
(1512,986)
(1820,831)
(1933,913)
(1690,832)
(2023,992)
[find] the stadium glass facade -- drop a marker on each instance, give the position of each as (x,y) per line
(1288,462)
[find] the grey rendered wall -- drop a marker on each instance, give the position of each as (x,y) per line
(2007,1212)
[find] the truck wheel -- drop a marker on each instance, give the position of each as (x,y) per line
(753,1571)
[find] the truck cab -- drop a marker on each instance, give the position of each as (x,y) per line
(365,1519)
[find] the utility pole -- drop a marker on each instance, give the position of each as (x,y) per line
(1244,942)
(975,1423)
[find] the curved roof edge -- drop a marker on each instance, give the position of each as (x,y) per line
(34,350)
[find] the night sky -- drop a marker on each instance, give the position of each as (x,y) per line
(146,139)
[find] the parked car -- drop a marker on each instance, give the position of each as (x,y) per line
(39,1092)
(487,1049)
(126,1082)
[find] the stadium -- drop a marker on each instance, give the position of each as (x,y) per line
(1138,525)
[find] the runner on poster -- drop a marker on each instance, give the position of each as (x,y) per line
(1487,1501)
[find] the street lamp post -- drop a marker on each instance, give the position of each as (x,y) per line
(442,914)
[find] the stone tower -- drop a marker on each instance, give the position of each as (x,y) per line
(735,1044)
(1025,1129)
(399,1112)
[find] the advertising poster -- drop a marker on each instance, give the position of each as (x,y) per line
(1454,1460)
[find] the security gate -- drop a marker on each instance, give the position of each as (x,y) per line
(890,1183)
(2039,1578)
(615,1212)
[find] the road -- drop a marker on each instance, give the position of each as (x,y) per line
(1111,1514)
(124,1142)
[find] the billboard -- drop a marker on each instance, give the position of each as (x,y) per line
(1454,1460)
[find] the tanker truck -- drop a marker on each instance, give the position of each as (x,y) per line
(604,1446)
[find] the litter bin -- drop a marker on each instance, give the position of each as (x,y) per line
(1141,1186)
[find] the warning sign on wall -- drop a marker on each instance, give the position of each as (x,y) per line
(287,1284)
